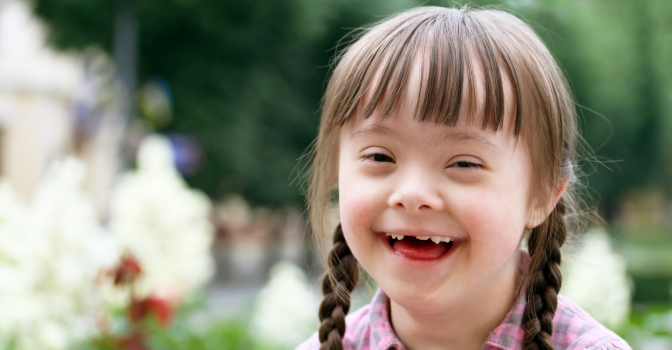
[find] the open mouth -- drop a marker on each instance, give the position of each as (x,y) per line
(420,247)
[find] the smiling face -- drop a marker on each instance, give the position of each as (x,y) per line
(400,176)
(445,125)
(409,178)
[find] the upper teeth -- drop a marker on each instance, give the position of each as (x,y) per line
(399,237)
(435,239)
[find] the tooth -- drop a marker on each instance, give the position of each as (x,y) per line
(424,238)
(436,239)
(397,237)
(447,239)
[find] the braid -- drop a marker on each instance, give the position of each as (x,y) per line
(545,279)
(337,284)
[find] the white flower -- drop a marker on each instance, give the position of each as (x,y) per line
(285,311)
(52,253)
(596,279)
(75,249)
(65,218)
(163,224)
(18,268)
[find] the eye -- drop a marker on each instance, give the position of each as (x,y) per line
(465,164)
(379,158)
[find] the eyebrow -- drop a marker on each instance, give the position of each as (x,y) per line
(460,136)
(470,137)
(375,129)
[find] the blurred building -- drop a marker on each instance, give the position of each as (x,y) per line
(46,98)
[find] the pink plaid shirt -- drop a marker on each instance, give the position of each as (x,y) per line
(369,328)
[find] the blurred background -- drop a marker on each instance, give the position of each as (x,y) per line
(151,150)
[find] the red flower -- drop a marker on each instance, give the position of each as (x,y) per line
(162,309)
(134,341)
(127,271)
(154,305)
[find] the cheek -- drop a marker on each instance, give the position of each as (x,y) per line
(494,218)
(360,196)
(358,206)
(358,210)
(355,211)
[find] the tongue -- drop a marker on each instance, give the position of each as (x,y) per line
(418,249)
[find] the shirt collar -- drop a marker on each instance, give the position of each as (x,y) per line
(382,335)
(509,334)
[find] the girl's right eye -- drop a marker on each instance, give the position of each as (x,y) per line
(379,158)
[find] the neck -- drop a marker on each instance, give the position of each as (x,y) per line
(465,324)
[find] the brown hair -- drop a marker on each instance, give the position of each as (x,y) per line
(449,41)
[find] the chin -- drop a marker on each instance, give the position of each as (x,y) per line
(421,296)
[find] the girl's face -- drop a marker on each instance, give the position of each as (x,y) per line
(399,176)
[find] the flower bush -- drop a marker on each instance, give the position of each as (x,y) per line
(284,314)
(597,280)
(53,250)
(19,269)
(163,230)
(162,223)
(66,280)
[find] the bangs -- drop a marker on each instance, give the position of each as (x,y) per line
(447,45)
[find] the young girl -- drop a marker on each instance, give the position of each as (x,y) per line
(449,135)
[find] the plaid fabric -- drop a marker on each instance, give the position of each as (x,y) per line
(369,328)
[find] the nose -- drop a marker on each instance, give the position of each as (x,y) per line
(416,192)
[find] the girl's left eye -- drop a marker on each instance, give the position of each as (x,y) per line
(465,164)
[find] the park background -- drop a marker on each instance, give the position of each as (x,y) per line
(151,155)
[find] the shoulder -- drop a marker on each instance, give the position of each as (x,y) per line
(313,343)
(357,331)
(575,329)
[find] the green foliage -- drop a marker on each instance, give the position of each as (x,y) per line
(650,327)
(230,334)
(189,329)
(649,261)
(617,59)
(227,334)
(247,77)
(640,315)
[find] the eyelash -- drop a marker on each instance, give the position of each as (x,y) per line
(468,164)
(372,157)
(388,159)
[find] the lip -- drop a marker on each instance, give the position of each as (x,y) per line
(417,263)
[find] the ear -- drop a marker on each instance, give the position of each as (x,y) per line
(538,214)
